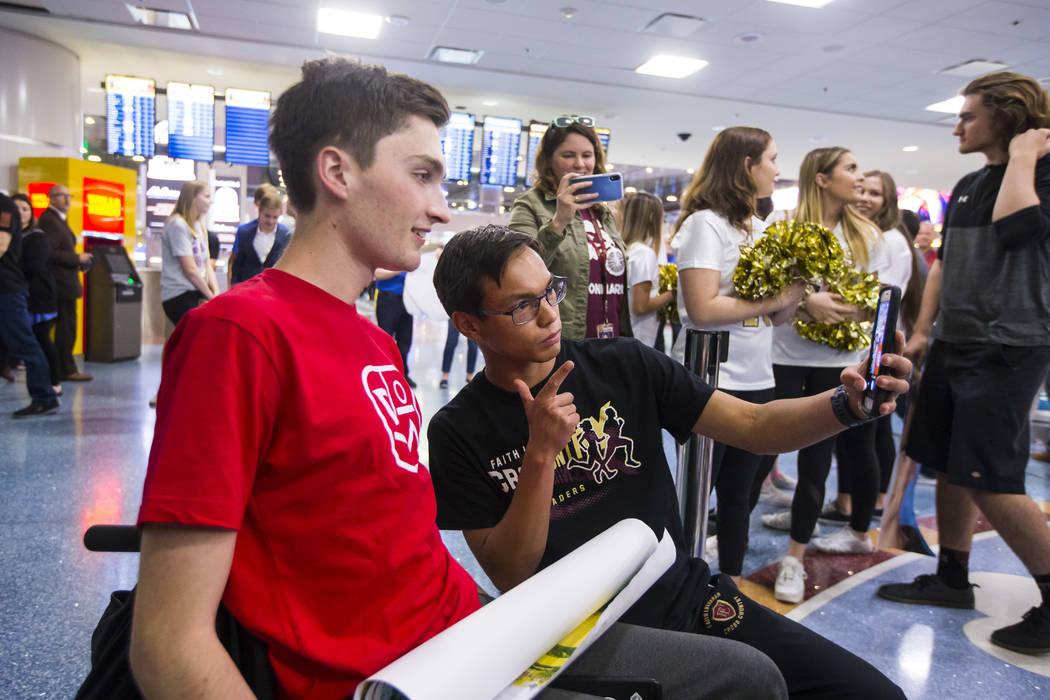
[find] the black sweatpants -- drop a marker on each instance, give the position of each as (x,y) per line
(733,472)
(66,336)
(812,666)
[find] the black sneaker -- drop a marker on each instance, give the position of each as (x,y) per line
(929,589)
(37,408)
(443,384)
(1029,636)
(831,513)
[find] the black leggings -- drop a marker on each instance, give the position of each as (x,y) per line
(733,472)
(814,462)
(885,452)
(42,331)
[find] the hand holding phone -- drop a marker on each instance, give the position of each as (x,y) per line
(882,338)
(608,186)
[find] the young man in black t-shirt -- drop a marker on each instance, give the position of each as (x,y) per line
(16,333)
(557,440)
(989,291)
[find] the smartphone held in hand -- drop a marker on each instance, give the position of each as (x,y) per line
(608,186)
(882,339)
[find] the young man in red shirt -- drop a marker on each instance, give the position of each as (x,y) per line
(284,478)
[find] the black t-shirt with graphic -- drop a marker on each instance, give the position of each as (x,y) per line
(613,467)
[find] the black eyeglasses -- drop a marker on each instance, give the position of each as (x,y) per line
(563,122)
(524,311)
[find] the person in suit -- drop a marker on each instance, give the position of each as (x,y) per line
(260,243)
(66,264)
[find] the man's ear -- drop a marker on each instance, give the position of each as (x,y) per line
(335,170)
(467,324)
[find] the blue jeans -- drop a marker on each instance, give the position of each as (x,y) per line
(451,341)
(16,333)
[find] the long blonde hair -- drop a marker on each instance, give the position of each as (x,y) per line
(184,206)
(642,220)
(859,232)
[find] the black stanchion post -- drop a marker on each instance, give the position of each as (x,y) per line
(704,352)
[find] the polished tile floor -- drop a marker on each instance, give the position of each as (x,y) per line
(85,465)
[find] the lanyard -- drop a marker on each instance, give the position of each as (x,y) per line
(597,239)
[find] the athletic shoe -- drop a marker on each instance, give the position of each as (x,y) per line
(783,481)
(1042,455)
(771,494)
(781,520)
(443,384)
(791,581)
(711,548)
(1029,636)
(37,408)
(843,541)
(929,589)
(832,514)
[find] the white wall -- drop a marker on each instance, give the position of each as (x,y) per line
(39,102)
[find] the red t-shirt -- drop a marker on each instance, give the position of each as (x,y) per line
(283,414)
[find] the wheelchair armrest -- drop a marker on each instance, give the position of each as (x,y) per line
(112,538)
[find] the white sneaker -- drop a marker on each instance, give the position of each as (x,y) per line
(781,520)
(783,481)
(790,586)
(771,494)
(843,541)
(711,549)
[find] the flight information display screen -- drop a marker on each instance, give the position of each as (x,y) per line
(191,121)
(247,126)
(500,142)
(603,136)
(457,144)
(130,115)
(536,132)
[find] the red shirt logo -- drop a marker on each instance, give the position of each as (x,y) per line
(398,411)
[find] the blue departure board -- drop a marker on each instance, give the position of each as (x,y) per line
(500,142)
(191,121)
(247,127)
(130,115)
(603,136)
(536,132)
(457,145)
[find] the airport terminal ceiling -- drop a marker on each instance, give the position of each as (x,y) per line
(858,73)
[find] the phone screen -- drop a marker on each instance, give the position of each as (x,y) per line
(878,340)
(885,328)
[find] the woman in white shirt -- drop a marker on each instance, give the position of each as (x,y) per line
(830,181)
(642,215)
(718,218)
(186,277)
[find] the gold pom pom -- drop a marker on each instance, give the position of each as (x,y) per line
(668,282)
(792,250)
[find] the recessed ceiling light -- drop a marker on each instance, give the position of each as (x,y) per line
(94,159)
(671,198)
(568,12)
(804,3)
(974,68)
(910,149)
(690,170)
(361,25)
(447,54)
(397,20)
(138,158)
(214,71)
(717,128)
(89,120)
(490,103)
(950,106)
(666,66)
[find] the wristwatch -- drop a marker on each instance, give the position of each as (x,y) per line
(840,407)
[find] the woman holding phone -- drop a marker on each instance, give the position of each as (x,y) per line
(830,182)
(642,216)
(579,236)
(718,218)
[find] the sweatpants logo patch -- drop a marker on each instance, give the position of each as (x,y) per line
(723,615)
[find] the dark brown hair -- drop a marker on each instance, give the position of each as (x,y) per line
(1018,103)
(18,196)
(552,139)
(346,104)
(471,256)
(723,183)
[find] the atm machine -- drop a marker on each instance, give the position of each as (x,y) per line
(114,306)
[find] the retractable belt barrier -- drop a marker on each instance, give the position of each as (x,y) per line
(704,352)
